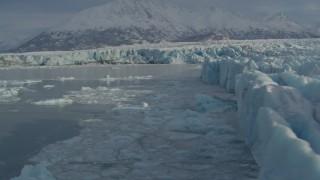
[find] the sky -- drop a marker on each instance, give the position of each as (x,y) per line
(20,19)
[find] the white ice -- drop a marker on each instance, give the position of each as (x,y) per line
(54,102)
(36,172)
(9,95)
(48,86)
(109,79)
(10,90)
(65,78)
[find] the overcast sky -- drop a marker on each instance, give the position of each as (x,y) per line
(26,17)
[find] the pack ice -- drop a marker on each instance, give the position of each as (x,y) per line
(278,106)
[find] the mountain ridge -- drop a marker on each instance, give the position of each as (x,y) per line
(149,21)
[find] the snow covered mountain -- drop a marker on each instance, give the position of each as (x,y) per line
(139,21)
(280,21)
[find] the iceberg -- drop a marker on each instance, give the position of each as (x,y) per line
(54,102)
(39,171)
(8,95)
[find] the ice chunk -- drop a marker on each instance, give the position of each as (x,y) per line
(309,68)
(129,78)
(205,103)
(36,172)
(24,82)
(308,86)
(9,95)
(48,86)
(131,110)
(279,126)
(54,102)
(65,78)
(223,72)
(102,95)
(144,104)
(192,122)
(210,72)
(280,153)
(154,121)
(255,90)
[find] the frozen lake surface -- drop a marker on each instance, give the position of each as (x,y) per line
(136,122)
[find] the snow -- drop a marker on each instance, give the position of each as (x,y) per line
(168,19)
(281,21)
(147,14)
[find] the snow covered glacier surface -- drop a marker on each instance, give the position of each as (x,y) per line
(278,107)
(268,54)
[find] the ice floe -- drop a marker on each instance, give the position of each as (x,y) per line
(54,102)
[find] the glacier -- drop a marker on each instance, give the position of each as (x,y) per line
(278,108)
(269,55)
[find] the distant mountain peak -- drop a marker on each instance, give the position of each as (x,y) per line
(280,17)
(316,28)
(280,21)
